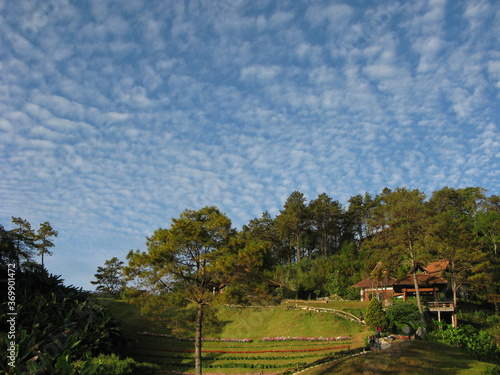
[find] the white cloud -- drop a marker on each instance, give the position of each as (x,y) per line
(117,117)
(260,72)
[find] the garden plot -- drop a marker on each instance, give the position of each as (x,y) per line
(233,356)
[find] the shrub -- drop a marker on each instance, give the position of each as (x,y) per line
(112,365)
(402,313)
(375,315)
(480,344)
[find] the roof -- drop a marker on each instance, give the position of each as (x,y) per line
(422,279)
(437,267)
(431,275)
(371,283)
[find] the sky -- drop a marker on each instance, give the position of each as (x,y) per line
(116,116)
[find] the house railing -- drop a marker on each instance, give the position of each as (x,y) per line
(441,305)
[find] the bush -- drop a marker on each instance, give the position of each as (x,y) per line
(112,365)
(402,314)
(375,315)
(480,344)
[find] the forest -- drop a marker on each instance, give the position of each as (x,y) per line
(319,248)
(311,249)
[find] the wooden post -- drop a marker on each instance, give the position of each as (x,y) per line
(404,295)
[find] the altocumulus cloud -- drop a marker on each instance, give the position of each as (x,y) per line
(117,116)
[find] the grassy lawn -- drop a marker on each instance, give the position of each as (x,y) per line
(273,322)
(407,358)
(415,357)
(254,324)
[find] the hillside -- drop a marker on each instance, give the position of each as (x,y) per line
(251,324)
(409,358)
(254,355)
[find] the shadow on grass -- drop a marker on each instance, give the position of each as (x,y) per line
(163,351)
(415,357)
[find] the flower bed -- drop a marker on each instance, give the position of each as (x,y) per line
(190,339)
(260,351)
(283,338)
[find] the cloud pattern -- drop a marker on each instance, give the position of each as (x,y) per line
(116,116)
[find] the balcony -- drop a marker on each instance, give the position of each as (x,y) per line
(440,306)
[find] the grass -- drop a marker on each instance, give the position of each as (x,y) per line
(273,322)
(407,358)
(415,357)
(237,323)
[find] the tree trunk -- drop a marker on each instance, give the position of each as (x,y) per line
(298,249)
(415,283)
(197,340)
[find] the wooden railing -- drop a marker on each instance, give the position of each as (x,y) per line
(441,305)
(341,313)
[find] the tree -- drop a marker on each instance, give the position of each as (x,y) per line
(264,229)
(326,216)
(180,261)
(24,239)
(357,216)
(109,278)
(292,223)
(8,250)
(453,234)
(43,238)
(375,315)
(400,221)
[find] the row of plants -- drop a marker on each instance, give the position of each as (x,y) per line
(242,358)
(291,368)
(287,338)
(265,339)
(243,365)
(261,351)
(204,339)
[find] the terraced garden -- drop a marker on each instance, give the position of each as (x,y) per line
(266,340)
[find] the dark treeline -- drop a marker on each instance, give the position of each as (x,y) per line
(320,248)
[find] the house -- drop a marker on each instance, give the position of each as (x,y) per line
(379,284)
(430,281)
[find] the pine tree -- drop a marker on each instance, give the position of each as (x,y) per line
(375,315)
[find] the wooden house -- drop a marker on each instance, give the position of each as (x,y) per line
(430,281)
(379,284)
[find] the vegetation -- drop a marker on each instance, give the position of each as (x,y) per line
(45,326)
(246,340)
(375,315)
(200,263)
(404,314)
(109,278)
(480,344)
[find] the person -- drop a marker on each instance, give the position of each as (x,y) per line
(378,332)
(372,342)
(361,317)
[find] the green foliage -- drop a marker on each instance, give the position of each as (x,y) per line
(375,315)
(480,344)
(113,365)
(402,313)
(59,324)
(109,278)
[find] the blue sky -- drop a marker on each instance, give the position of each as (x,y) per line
(115,116)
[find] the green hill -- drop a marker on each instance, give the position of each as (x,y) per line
(409,358)
(278,353)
